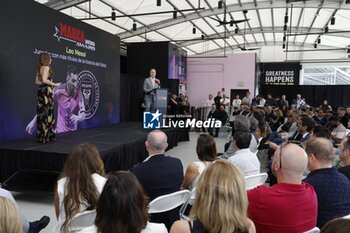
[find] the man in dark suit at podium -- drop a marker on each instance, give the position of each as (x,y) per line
(149,85)
(159,174)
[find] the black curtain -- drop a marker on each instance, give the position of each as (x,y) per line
(337,95)
(131,95)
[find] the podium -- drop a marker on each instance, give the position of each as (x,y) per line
(161,100)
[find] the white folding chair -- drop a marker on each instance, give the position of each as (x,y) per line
(82,221)
(255,180)
(313,230)
(189,201)
(168,202)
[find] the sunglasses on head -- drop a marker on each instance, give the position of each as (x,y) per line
(289,142)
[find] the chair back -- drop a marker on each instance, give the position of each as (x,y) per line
(255,180)
(82,220)
(168,202)
(313,230)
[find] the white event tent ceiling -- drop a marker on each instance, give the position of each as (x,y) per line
(324,24)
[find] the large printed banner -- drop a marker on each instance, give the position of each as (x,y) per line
(282,73)
(84,59)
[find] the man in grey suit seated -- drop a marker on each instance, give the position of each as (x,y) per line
(149,85)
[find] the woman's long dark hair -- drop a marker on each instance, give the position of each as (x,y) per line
(44,60)
(81,163)
(122,207)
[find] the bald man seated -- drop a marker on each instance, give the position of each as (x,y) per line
(332,188)
(159,174)
(290,205)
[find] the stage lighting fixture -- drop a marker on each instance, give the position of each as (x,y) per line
(315,46)
(194,30)
(175,14)
(236,30)
(284,46)
(347,2)
(286,19)
(159,2)
(326,29)
(333,20)
(231,23)
(348,51)
(220,4)
(285,27)
(319,40)
(113,15)
(284,38)
(202,37)
(134,26)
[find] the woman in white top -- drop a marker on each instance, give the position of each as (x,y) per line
(206,151)
(80,184)
(122,207)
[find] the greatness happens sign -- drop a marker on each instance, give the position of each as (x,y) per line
(280,73)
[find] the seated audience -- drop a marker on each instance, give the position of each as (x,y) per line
(290,205)
(337,128)
(236,102)
(338,225)
(80,184)
(27,227)
(10,220)
(305,125)
(332,188)
(159,174)
(345,156)
(243,157)
(122,207)
(220,204)
(206,152)
(344,118)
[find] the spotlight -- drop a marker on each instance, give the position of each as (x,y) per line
(220,4)
(348,51)
(194,30)
(159,2)
(347,1)
(175,14)
(113,15)
(236,30)
(284,46)
(319,40)
(285,27)
(284,38)
(134,26)
(326,29)
(231,23)
(333,20)
(202,37)
(286,19)
(315,46)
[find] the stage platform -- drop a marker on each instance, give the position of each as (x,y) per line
(26,164)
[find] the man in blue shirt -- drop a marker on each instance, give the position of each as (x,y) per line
(332,188)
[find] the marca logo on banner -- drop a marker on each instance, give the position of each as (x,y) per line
(156,120)
(74,35)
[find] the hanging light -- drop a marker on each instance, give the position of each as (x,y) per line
(175,14)
(220,4)
(284,38)
(134,26)
(231,23)
(159,2)
(319,40)
(236,30)
(194,30)
(202,36)
(113,15)
(347,1)
(315,46)
(326,29)
(285,27)
(348,51)
(284,46)
(286,19)
(333,20)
